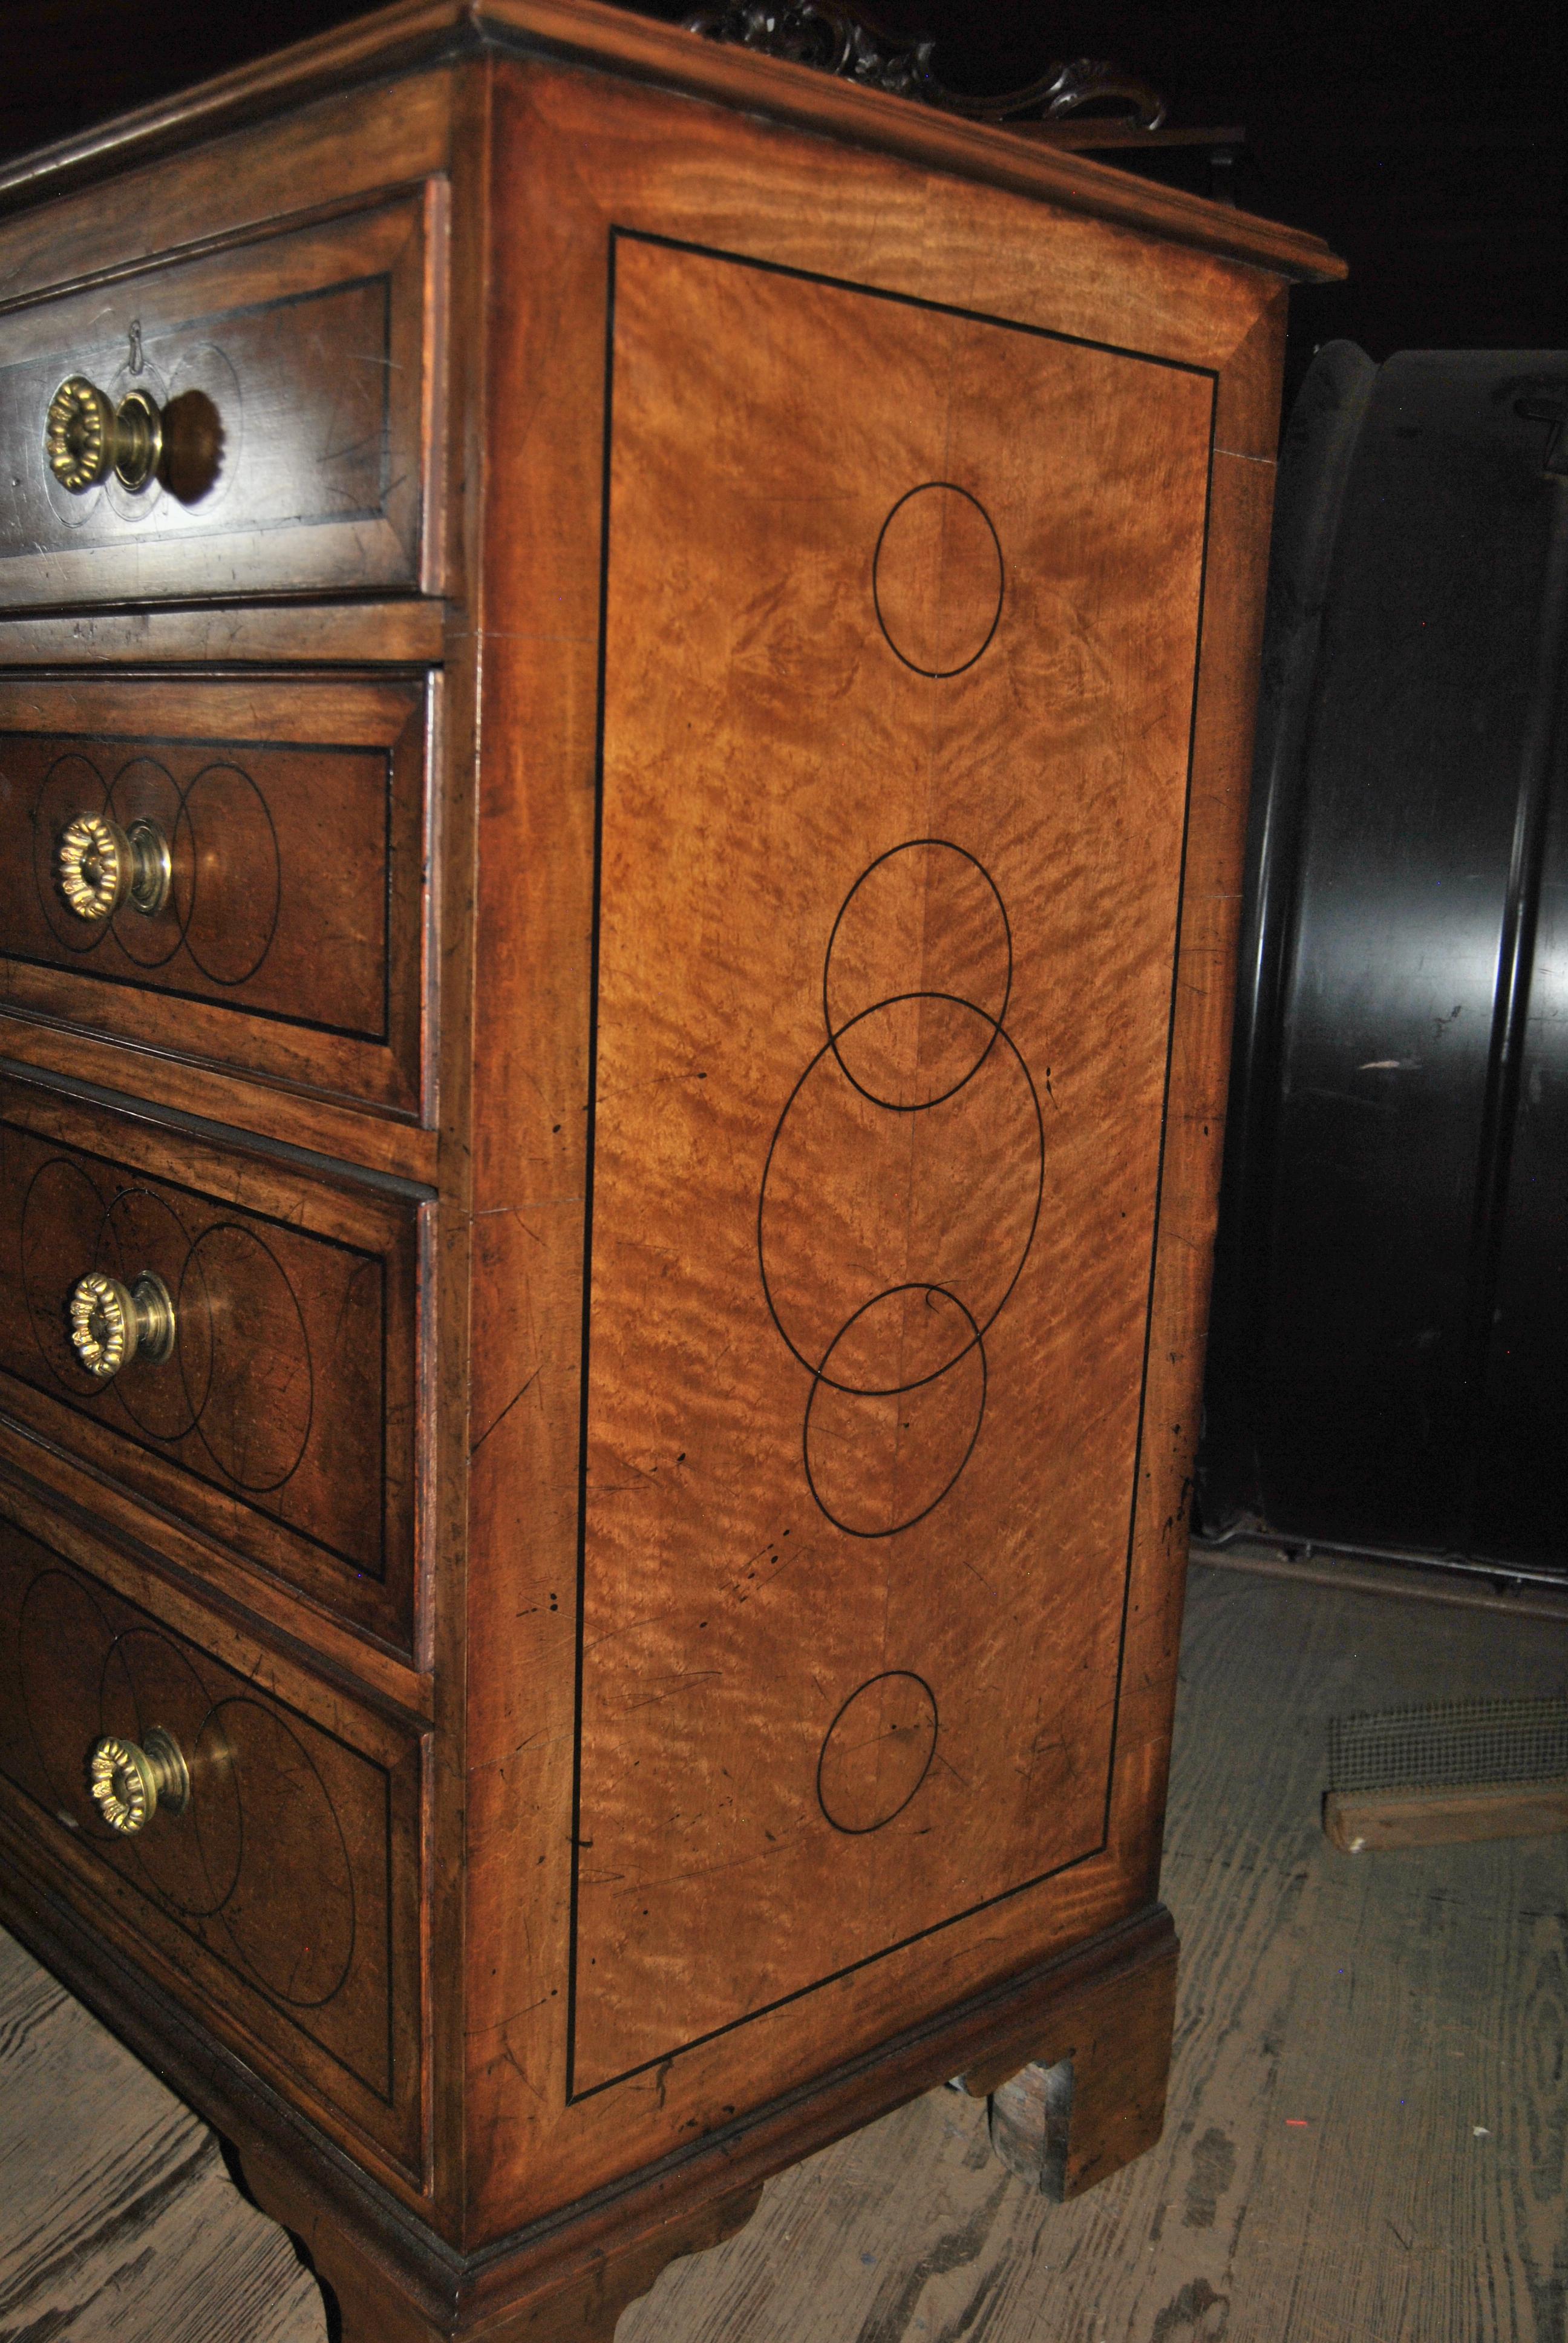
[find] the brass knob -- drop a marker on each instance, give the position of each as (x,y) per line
(98,866)
(86,437)
(111,1325)
(131,1780)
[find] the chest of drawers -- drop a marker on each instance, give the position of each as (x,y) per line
(625,687)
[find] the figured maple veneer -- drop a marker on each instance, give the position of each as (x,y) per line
(294,378)
(287,1887)
(282,1425)
(292,942)
(918,641)
(895,782)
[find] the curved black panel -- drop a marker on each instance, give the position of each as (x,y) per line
(1388,1341)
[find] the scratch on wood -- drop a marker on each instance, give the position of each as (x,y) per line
(500,1419)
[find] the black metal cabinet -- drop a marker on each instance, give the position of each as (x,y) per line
(1389,1346)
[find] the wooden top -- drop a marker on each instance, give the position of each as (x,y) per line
(415,31)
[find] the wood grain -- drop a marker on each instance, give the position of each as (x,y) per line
(293,940)
(323,159)
(1366,1822)
(295,379)
(121,2222)
(198,1587)
(1093,2096)
(308,634)
(1342,2029)
(753,192)
(286,1890)
(881,1021)
(1313,1989)
(124,1071)
(936,471)
(282,1425)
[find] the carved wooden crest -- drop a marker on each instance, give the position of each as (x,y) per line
(815,32)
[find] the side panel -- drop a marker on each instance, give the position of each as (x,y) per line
(901,634)
(765,714)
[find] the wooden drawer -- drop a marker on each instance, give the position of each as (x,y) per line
(284,1896)
(282,1423)
(289,939)
(294,376)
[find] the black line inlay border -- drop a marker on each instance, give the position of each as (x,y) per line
(574,2096)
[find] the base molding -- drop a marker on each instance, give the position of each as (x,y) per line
(1107,2005)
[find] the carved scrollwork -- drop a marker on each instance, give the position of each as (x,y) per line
(1091,81)
(815,33)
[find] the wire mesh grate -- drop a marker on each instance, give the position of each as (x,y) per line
(1450,1742)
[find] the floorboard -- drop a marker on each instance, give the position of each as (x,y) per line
(119,2221)
(1367,2139)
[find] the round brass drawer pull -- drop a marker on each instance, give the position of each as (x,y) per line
(98,866)
(86,437)
(131,1780)
(111,1325)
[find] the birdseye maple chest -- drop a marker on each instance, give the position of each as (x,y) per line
(626,675)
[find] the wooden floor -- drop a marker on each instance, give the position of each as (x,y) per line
(1368,2131)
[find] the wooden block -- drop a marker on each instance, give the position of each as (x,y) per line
(1359,1822)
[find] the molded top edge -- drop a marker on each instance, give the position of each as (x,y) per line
(587,31)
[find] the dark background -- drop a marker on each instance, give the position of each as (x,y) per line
(1429,144)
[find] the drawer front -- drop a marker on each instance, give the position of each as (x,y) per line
(276,923)
(280,1423)
(284,1893)
(292,382)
